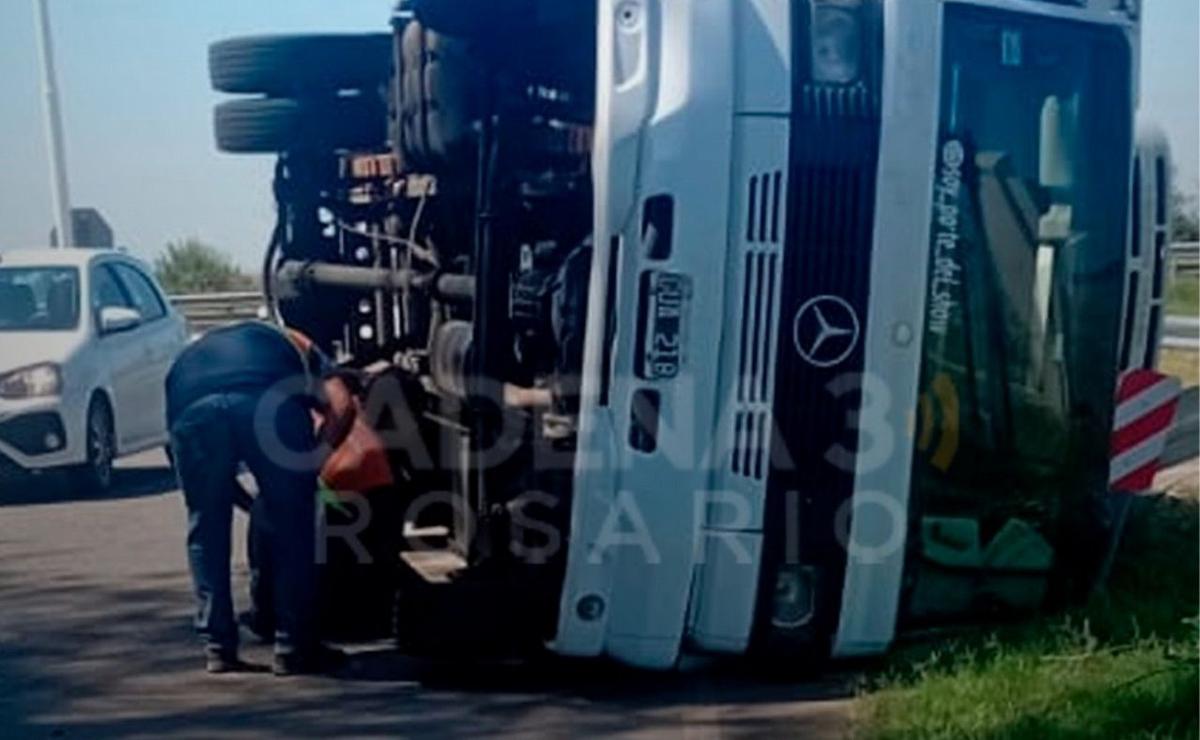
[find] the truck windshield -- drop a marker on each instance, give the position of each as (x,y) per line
(1026,285)
(39,299)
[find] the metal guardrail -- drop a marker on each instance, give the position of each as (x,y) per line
(214,310)
(1181,332)
(1185,258)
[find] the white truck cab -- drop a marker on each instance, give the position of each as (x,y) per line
(887,222)
(802,317)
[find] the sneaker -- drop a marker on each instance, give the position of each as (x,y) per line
(220,661)
(317,660)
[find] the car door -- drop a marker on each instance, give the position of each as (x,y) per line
(159,340)
(121,356)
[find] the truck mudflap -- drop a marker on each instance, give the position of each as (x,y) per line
(664,140)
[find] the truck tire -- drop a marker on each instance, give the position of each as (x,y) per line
(269,125)
(438,89)
(294,65)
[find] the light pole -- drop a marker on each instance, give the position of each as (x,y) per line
(54,129)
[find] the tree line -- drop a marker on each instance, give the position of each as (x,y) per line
(191,267)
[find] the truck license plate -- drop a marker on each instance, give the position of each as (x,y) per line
(664,303)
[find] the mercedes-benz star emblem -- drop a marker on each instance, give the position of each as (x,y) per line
(826,331)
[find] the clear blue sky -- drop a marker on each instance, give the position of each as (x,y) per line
(138,112)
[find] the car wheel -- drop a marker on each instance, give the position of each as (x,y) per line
(270,125)
(289,66)
(96,475)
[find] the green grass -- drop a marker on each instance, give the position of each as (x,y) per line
(1005,692)
(1124,666)
(1184,296)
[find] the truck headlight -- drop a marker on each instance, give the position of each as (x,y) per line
(32,382)
(837,41)
(795,597)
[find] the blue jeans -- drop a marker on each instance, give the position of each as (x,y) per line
(210,439)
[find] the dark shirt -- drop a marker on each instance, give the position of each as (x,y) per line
(245,358)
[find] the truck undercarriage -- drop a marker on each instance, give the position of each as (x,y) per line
(459,262)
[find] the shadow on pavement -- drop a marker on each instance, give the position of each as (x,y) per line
(56,488)
(96,641)
(732,680)
(81,659)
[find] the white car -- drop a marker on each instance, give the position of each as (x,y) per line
(86,340)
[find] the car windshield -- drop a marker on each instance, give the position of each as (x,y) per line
(39,298)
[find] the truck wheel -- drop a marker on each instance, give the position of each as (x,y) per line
(292,65)
(438,90)
(95,476)
(267,125)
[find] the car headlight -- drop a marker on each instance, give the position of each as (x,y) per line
(32,382)
(837,41)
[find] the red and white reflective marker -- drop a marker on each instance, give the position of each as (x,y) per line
(1146,405)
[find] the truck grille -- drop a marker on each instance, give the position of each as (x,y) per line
(752,420)
(826,263)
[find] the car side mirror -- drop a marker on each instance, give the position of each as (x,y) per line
(116,319)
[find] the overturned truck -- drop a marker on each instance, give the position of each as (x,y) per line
(725,326)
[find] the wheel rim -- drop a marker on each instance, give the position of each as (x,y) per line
(100,448)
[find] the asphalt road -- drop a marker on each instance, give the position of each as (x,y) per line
(95,641)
